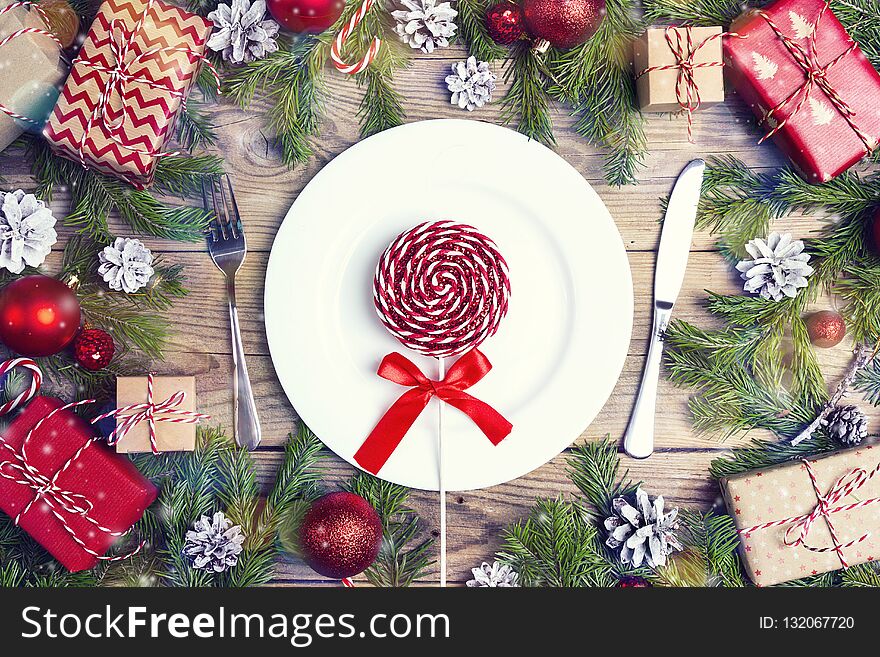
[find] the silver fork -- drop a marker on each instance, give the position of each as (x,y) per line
(228,248)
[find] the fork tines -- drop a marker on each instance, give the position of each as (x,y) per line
(217,195)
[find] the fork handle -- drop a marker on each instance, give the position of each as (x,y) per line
(246,423)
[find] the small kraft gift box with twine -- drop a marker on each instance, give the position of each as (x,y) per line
(32,71)
(679,69)
(155,414)
(807,517)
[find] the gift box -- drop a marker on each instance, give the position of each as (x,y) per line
(808,83)
(784,532)
(72,494)
(663,84)
(120,104)
(31,75)
(133,393)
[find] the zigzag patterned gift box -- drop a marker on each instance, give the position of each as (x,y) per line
(120,104)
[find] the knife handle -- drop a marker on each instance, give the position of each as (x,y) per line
(638,441)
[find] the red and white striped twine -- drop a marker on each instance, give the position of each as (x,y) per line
(338,43)
(35,7)
(17,467)
(164,411)
(442,288)
(801,525)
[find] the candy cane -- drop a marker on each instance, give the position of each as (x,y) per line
(344,33)
(25,396)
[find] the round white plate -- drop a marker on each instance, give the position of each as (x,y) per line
(559,351)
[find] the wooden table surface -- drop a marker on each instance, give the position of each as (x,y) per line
(265,190)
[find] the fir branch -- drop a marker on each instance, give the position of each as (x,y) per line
(593,468)
(867,382)
(403,557)
(526,103)
(558,545)
(765,453)
(472,26)
(714,538)
(861,575)
(194,128)
(692,12)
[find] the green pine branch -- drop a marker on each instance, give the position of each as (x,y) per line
(526,103)
(593,468)
(404,555)
(472,26)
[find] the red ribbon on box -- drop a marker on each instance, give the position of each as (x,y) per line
(467,371)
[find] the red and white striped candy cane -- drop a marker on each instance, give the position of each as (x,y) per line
(344,33)
(32,390)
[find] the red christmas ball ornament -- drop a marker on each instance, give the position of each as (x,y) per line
(631,582)
(93,349)
(311,16)
(826,328)
(340,535)
(563,23)
(39,315)
(505,23)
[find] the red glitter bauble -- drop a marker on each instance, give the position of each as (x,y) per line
(826,328)
(564,23)
(340,535)
(93,349)
(505,23)
(634,583)
(306,15)
(39,315)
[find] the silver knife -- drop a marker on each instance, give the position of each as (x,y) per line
(672,258)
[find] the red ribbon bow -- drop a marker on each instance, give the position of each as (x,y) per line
(391,429)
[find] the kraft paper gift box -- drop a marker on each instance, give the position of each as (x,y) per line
(30,73)
(786,491)
(170,437)
(656,89)
(165,46)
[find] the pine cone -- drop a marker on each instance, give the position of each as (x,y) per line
(643,534)
(778,267)
(27,231)
(213,543)
(126,265)
(471,84)
(496,575)
(847,425)
(424,24)
(243,33)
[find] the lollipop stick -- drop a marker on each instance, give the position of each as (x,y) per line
(441,366)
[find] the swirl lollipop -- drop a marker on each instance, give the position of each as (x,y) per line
(442,288)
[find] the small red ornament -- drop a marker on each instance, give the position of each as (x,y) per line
(826,328)
(630,582)
(39,315)
(563,23)
(306,15)
(340,535)
(93,349)
(505,23)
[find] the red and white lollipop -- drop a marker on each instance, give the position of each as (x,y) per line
(442,288)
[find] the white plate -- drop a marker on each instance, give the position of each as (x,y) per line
(558,353)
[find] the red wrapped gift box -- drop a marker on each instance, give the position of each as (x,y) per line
(120,104)
(97,479)
(813,90)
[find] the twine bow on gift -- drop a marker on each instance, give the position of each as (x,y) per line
(815,75)
(16,466)
(119,74)
(467,371)
(687,92)
(35,7)
(164,411)
(800,526)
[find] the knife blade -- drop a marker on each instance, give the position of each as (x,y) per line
(672,259)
